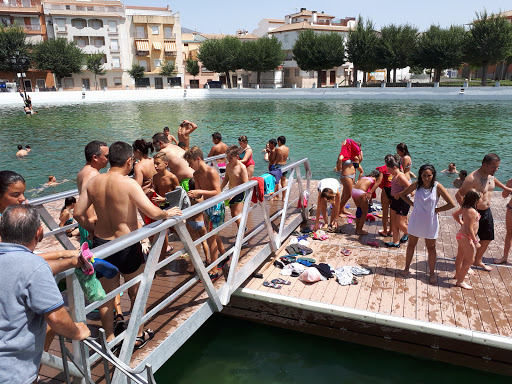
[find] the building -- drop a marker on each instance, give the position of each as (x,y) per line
(156,36)
(191,43)
(28,14)
(319,22)
(267,25)
(96,26)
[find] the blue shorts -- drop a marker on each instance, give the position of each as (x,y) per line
(277,166)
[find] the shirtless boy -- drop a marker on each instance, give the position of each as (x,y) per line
(483,181)
(177,163)
(184,131)
(96,158)
(236,174)
(116,199)
(219,148)
(277,160)
(207,185)
(170,137)
(21,152)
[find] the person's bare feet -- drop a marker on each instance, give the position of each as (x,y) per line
(404,273)
(483,266)
(190,268)
(503,260)
(464,285)
(471,272)
(362,232)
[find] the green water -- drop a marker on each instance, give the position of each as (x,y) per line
(229,351)
(436,132)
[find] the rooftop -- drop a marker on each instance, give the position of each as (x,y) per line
(306,25)
(305,12)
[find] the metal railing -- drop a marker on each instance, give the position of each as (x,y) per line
(216,298)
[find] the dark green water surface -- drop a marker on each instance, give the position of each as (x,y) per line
(437,132)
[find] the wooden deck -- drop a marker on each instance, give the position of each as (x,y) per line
(487,308)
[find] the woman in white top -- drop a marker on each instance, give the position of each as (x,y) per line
(424,221)
(328,192)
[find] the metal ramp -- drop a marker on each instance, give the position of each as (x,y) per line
(272,229)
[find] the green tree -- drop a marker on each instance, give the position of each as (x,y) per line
(14,50)
(192,67)
(317,52)
(361,45)
(489,41)
(59,56)
(94,64)
(440,48)
(221,55)
(168,69)
(262,55)
(136,72)
(395,48)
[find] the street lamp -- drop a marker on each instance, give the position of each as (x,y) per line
(20,63)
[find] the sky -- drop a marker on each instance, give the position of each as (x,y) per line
(223,16)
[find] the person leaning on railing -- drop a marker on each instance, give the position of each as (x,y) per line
(30,298)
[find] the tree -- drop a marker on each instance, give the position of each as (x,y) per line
(192,67)
(59,56)
(262,55)
(168,69)
(14,50)
(317,52)
(489,41)
(221,55)
(440,48)
(395,48)
(361,45)
(94,64)
(136,72)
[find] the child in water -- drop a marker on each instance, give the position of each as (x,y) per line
(466,237)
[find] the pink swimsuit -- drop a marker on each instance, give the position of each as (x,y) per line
(460,235)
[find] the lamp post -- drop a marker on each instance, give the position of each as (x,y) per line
(20,64)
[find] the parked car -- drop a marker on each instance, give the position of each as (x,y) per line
(214,84)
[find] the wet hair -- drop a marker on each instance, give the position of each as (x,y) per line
(161,155)
(358,143)
(281,139)
(67,202)
(50,177)
(489,158)
(8,178)
(19,224)
(160,136)
(423,168)
(118,153)
(328,193)
(374,174)
(463,173)
(232,151)
(143,146)
(191,184)
(403,148)
(273,142)
(181,144)
(166,129)
(93,149)
(451,164)
(243,139)
(471,199)
(20,146)
(387,157)
(193,153)
(27,146)
(216,136)
(392,162)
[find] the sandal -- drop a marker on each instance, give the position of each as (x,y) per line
(281,281)
(384,234)
(346,252)
(119,325)
(143,339)
(271,285)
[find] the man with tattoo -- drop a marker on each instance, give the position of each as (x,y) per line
(483,181)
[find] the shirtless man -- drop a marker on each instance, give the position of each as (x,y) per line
(207,185)
(177,163)
(96,158)
(184,131)
(219,148)
(21,152)
(116,199)
(483,181)
(236,174)
(170,137)
(277,160)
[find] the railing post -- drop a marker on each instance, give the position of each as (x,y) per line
(238,246)
(301,193)
(308,186)
(285,207)
(268,225)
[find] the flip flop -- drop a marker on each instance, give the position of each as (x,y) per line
(373,244)
(281,281)
(85,255)
(143,339)
(346,252)
(271,285)
(384,234)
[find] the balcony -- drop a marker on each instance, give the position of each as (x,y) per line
(32,28)
(19,6)
(170,36)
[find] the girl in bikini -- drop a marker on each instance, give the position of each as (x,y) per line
(362,194)
(405,160)
(508,225)
(246,155)
(349,153)
(399,208)
(66,216)
(328,192)
(466,237)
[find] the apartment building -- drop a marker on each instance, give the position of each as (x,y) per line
(29,15)
(319,22)
(191,44)
(267,25)
(96,26)
(156,36)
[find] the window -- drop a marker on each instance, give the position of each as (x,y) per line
(99,42)
(81,41)
(285,38)
(157,63)
(114,45)
(78,23)
(155,30)
(61,25)
(297,72)
(103,83)
(90,9)
(144,64)
(167,32)
(68,7)
(140,32)
(96,24)
(118,81)
(112,26)
(80,8)
(286,72)
(116,62)
(69,82)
